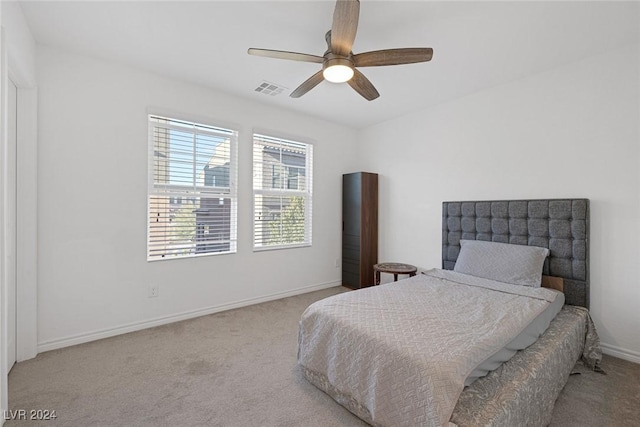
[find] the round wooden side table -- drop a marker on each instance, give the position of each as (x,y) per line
(394,268)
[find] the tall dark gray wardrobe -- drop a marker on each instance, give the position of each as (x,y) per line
(359,228)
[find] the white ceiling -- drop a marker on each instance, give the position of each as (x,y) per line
(476,45)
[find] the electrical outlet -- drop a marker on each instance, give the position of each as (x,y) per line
(336,263)
(154,290)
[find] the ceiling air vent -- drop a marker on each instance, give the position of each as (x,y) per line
(270,88)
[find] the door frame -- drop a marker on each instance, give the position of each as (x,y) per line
(10,203)
(26,207)
(26,214)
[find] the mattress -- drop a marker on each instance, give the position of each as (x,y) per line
(401,352)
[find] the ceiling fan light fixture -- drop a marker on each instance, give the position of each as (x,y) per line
(338,70)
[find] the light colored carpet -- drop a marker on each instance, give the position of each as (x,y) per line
(238,368)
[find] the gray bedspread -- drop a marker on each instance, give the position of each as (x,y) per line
(523,390)
(398,354)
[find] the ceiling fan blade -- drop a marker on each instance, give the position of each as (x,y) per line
(345,25)
(393,57)
(307,85)
(363,86)
(281,54)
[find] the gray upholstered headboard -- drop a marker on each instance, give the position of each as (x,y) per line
(562,225)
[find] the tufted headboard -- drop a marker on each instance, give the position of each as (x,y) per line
(562,225)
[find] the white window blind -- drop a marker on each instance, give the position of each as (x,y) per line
(282,192)
(192,189)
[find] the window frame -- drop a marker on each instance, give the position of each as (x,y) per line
(183,192)
(307,194)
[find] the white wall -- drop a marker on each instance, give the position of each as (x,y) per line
(93,273)
(569,132)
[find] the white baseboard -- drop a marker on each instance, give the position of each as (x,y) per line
(620,353)
(131,327)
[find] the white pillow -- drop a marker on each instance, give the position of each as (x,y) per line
(516,264)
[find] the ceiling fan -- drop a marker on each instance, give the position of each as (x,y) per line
(339,62)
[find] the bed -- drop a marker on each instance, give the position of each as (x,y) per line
(402,354)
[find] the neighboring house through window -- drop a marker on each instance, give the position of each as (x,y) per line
(282,192)
(192,190)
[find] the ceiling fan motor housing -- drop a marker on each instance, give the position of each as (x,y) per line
(331,60)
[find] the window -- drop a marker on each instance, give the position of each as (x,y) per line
(282,188)
(192,191)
